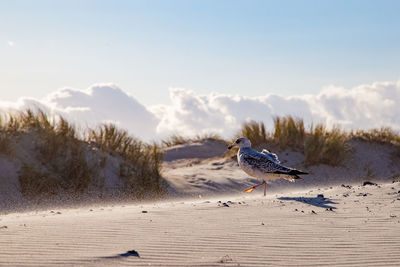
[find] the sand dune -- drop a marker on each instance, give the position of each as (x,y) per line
(220,176)
(348,226)
(328,219)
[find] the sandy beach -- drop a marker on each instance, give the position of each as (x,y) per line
(178,133)
(333,217)
(333,226)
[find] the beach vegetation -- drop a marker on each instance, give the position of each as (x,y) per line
(142,162)
(382,135)
(255,132)
(5,139)
(289,132)
(319,145)
(324,146)
(66,161)
(176,139)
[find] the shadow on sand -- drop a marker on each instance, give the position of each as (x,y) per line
(313,201)
(130,253)
(114,260)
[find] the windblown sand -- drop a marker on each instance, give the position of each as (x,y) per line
(348,226)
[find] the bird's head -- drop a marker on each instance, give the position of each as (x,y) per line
(241,143)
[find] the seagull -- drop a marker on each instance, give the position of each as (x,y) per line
(263,165)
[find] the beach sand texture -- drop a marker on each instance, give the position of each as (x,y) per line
(357,226)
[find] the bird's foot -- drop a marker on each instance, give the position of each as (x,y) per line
(249,190)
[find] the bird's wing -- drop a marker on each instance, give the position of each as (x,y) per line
(259,161)
(270,155)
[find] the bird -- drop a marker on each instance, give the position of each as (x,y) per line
(263,165)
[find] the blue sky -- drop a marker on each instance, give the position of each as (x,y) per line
(248,48)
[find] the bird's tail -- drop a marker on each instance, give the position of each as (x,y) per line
(295,172)
(294,175)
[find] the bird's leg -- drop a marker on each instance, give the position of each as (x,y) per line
(265,188)
(251,189)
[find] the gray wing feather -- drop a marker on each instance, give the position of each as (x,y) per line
(270,155)
(259,161)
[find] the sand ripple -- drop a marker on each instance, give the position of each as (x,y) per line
(260,232)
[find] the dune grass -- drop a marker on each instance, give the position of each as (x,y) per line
(175,139)
(289,132)
(255,132)
(5,140)
(4,143)
(319,145)
(382,135)
(329,147)
(63,161)
(141,169)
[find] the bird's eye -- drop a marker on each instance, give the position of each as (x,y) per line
(237,141)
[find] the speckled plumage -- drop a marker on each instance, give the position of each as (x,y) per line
(262,165)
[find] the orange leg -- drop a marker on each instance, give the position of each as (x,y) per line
(251,189)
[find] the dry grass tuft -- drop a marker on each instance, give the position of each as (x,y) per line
(255,132)
(175,140)
(61,153)
(318,145)
(63,157)
(143,161)
(327,147)
(289,132)
(143,178)
(207,136)
(382,135)
(5,139)
(109,138)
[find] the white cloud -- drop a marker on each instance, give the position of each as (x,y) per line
(10,43)
(101,103)
(365,106)
(105,103)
